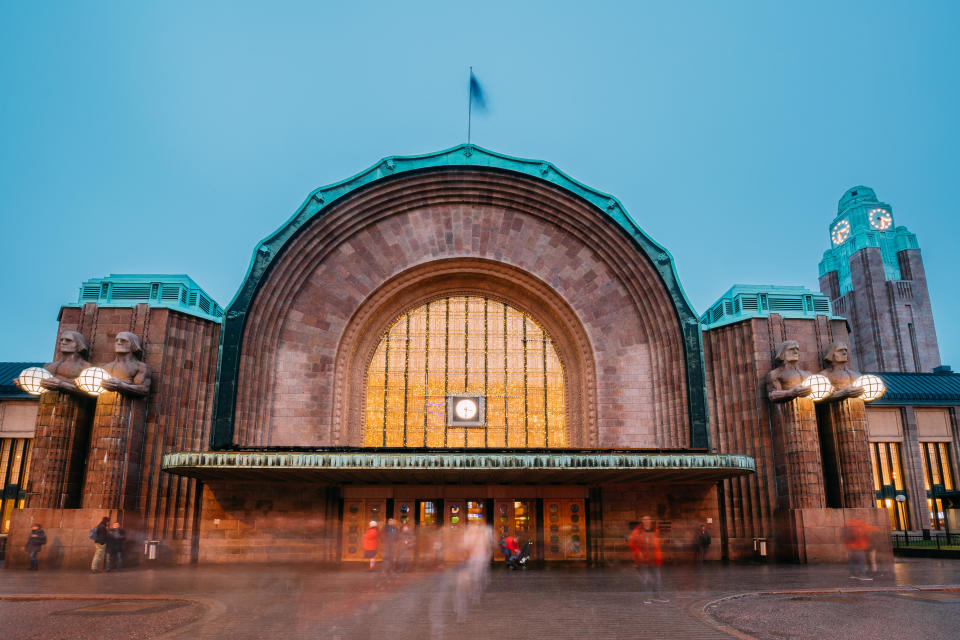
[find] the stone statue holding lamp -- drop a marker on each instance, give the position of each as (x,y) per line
(843,379)
(129,375)
(786,381)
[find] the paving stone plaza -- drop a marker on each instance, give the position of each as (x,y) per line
(917,596)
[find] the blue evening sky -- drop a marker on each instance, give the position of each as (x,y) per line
(170,137)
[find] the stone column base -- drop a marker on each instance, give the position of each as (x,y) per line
(816,535)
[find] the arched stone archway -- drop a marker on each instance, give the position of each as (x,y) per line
(453,277)
(308,302)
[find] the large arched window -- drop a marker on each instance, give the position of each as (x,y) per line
(465,346)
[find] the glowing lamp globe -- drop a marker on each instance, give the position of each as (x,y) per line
(91,380)
(30,378)
(873,387)
(819,386)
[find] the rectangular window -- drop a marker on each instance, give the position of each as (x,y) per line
(937,479)
(14,464)
(888,482)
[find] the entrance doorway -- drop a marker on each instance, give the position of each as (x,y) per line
(555,527)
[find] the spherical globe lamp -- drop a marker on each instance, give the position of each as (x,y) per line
(91,379)
(30,378)
(873,387)
(819,386)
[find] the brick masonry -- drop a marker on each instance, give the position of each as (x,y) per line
(620,321)
(59,450)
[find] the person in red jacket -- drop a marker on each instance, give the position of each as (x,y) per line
(644,544)
(510,547)
(370,542)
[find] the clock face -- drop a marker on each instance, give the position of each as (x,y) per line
(466,409)
(841,231)
(880,219)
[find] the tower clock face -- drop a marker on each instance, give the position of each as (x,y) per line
(841,231)
(880,219)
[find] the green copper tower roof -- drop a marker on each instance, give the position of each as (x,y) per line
(172,291)
(863,221)
(743,301)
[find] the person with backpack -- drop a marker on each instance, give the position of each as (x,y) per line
(35,542)
(99,535)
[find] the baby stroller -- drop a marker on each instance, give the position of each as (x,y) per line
(520,562)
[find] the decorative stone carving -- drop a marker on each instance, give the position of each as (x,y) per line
(63,423)
(836,371)
(796,442)
(786,381)
(128,374)
(72,350)
(116,439)
(843,427)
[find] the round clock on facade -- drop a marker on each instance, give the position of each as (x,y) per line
(466,408)
(841,231)
(880,219)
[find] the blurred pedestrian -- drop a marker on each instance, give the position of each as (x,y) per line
(407,545)
(115,539)
(856,538)
(370,543)
(35,541)
(701,542)
(644,544)
(99,537)
(390,536)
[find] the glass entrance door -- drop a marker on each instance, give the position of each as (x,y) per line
(458,515)
(357,515)
(516,518)
(564,530)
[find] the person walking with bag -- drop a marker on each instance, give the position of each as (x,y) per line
(99,537)
(35,541)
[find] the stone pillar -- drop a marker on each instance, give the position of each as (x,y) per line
(845,424)
(796,445)
(59,449)
(115,453)
(912,464)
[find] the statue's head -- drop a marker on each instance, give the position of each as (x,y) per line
(72,342)
(837,353)
(787,351)
(127,342)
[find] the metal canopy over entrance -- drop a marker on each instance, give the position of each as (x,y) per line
(363,466)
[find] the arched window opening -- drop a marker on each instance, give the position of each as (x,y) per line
(465,371)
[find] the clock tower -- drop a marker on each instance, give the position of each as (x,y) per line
(874,275)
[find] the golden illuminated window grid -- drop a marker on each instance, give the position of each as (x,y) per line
(465,344)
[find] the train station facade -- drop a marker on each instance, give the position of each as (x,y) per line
(450,340)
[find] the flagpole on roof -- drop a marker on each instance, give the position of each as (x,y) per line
(469,104)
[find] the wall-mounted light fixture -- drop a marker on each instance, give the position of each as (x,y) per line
(30,378)
(819,386)
(91,380)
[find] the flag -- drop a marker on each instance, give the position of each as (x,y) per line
(476,93)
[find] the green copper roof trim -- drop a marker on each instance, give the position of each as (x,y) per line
(745,301)
(492,462)
(176,291)
(464,155)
